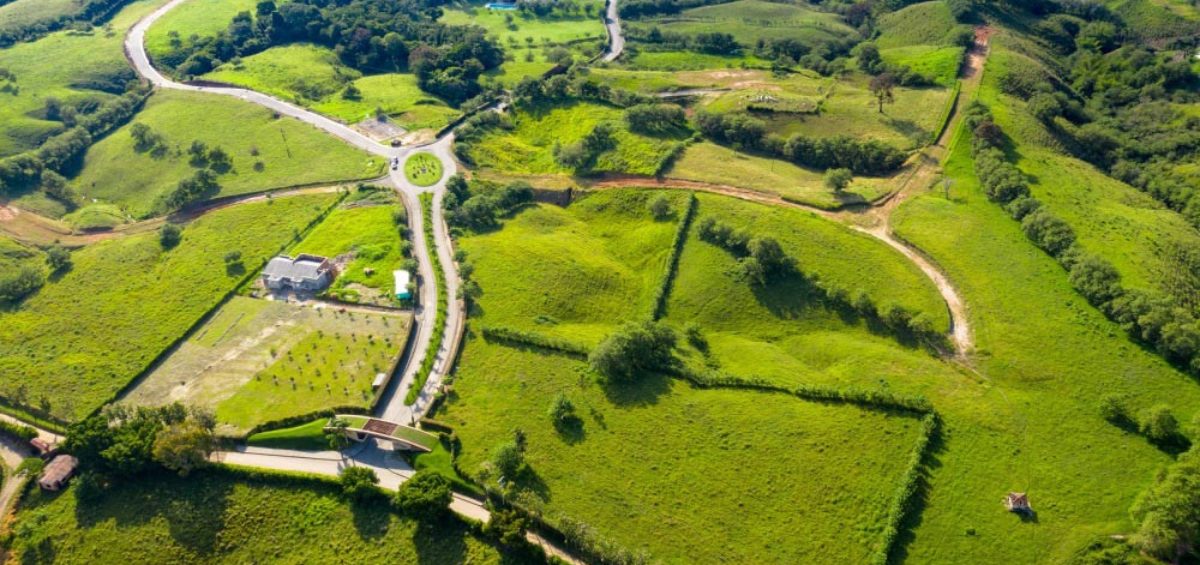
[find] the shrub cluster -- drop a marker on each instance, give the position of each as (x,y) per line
(681,232)
(19,431)
(1151,318)
(862,157)
(481,209)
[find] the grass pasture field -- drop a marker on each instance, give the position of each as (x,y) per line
(215,516)
(751,20)
(730,449)
(84,336)
(423,169)
(573,272)
(525,38)
(257,361)
(528,148)
(712,163)
(820,107)
(312,76)
(1110,218)
(652,60)
(923,23)
(200,18)
(21,13)
(114,171)
(66,65)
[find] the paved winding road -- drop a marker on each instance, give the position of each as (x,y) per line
(616,38)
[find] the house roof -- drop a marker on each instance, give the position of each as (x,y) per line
(59,469)
(303,267)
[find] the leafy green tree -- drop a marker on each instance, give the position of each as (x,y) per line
(869,60)
(660,207)
(1159,424)
(1168,513)
(185,446)
(336,436)
(634,350)
(358,483)
(883,88)
(58,259)
(508,459)
(16,284)
(1112,408)
(169,235)
(425,496)
(351,92)
(838,179)
(507,527)
(561,409)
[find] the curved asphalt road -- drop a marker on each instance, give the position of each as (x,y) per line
(392,405)
(616,39)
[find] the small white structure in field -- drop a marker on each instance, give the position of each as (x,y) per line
(402,279)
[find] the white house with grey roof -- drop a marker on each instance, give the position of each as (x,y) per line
(308,273)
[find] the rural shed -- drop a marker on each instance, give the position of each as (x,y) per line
(58,472)
(402,279)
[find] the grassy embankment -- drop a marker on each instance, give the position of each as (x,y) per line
(82,337)
(313,77)
(115,171)
(226,516)
(528,148)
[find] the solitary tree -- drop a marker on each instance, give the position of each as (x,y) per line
(169,235)
(508,459)
(882,87)
(358,482)
(425,496)
(633,350)
(335,435)
(838,179)
(660,208)
(184,446)
(58,258)
(1159,424)
(561,409)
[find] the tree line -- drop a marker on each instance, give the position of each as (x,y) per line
(869,157)
(1149,317)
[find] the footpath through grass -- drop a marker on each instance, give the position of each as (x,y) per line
(84,336)
(216,516)
(266,152)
